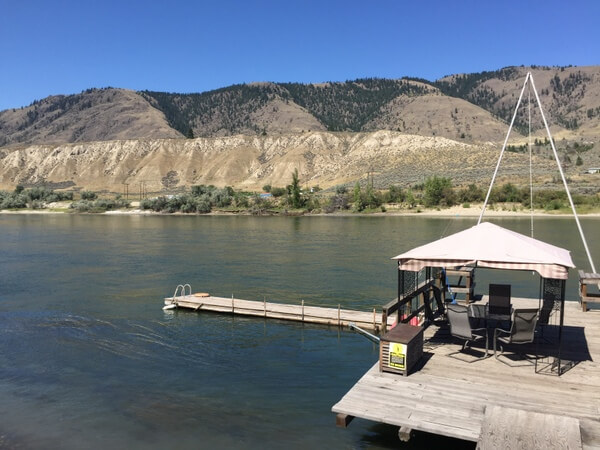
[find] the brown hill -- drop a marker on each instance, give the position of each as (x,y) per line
(570,97)
(436,114)
(322,158)
(93,115)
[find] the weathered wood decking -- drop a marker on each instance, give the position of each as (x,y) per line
(300,313)
(450,396)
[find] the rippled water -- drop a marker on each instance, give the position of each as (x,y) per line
(88,359)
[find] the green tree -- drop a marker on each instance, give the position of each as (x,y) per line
(410,199)
(372,198)
(395,194)
(472,193)
(437,189)
(359,201)
(190,133)
(579,161)
(296,199)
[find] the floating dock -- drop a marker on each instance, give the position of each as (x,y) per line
(370,320)
(487,401)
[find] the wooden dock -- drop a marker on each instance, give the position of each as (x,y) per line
(370,320)
(452,396)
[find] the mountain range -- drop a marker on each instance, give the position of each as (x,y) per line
(465,107)
(334,133)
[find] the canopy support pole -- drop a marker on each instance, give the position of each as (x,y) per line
(562,175)
(503,148)
(530,160)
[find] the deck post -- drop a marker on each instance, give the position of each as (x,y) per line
(265,305)
(339,321)
(563,284)
(384,321)
(343,420)
(232,305)
(404,433)
(583,295)
(374,319)
(302,310)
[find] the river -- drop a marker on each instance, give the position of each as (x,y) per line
(88,358)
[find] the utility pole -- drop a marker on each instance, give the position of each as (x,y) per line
(126,190)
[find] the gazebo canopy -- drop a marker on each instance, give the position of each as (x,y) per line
(489,245)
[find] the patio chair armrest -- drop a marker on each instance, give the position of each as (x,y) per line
(497,331)
(478,331)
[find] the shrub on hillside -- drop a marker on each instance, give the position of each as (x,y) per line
(35,198)
(88,195)
(278,191)
(99,206)
(13,201)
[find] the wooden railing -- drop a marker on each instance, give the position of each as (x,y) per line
(428,296)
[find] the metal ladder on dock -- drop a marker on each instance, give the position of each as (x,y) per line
(182,290)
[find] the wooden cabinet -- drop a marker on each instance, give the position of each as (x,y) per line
(401,348)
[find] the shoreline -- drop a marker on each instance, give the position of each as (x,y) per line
(454,211)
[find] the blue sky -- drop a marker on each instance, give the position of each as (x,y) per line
(64,46)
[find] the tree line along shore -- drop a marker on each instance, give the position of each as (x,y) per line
(435,193)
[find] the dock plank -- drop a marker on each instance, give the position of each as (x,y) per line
(512,428)
(450,397)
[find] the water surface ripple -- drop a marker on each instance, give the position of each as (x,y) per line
(88,359)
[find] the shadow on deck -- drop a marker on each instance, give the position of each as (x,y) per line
(449,395)
(545,349)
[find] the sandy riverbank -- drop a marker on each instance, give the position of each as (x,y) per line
(454,211)
(475,211)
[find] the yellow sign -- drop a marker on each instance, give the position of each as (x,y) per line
(397,355)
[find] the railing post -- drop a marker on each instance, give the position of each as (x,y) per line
(384,317)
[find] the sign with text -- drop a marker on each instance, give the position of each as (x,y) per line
(397,355)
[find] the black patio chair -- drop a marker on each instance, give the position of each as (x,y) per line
(522,330)
(460,327)
(478,315)
(499,307)
(499,300)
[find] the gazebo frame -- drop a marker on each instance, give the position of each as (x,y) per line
(421,295)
